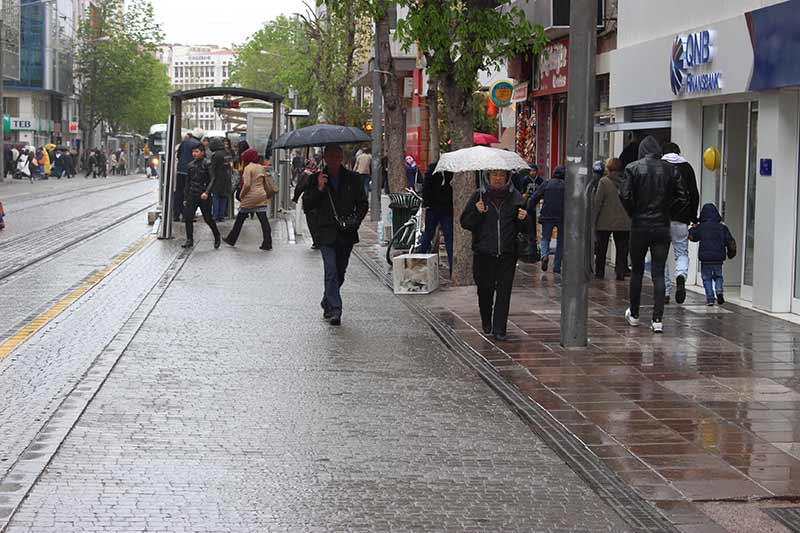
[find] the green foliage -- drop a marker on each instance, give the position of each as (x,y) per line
(278,56)
(462,37)
(481,121)
(123,84)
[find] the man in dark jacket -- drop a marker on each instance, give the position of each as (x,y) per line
(651,191)
(437,198)
(221,174)
(552,216)
(494,218)
(337,196)
(679,227)
(630,153)
(185,150)
(716,244)
(197,193)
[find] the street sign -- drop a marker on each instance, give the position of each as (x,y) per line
(226,104)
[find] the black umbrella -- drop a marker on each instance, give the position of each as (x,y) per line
(321,135)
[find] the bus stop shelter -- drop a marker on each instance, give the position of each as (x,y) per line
(174,138)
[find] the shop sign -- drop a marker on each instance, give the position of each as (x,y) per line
(501,93)
(520,93)
(692,55)
(20,124)
(73,127)
(553,67)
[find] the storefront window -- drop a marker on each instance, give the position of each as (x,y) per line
(712,137)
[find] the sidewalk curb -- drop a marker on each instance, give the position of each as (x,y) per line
(634,510)
(31,464)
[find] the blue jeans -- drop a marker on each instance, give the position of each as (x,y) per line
(219,206)
(335,258)
(712,279)
(434,218)
(365,182)
(547,233)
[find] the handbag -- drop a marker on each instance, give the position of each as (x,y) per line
(348,224)
(270,187)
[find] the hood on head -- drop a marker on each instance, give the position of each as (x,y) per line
(560,173)
(709,213)
(649,147)
(216,144)
(675,159)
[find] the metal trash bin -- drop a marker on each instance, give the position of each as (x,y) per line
(404,205)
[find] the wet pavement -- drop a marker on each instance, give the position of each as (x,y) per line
(710,410)
(222,402)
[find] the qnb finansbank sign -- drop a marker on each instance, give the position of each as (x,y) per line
(690,64)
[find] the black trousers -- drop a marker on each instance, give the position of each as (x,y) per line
(494,277)
(266,230)
(177,204)
(621,239)
(313,226)
(657,240)
(192,203)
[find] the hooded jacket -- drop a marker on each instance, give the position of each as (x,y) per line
(652,189)
(607,209)
(219,169)
(437,192)
(716,241)
(552,191)
(688,215)
(495,231)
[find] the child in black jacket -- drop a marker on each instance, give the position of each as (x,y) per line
(716,243)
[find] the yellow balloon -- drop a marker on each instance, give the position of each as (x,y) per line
(711,158)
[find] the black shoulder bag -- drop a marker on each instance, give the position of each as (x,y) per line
(348,224)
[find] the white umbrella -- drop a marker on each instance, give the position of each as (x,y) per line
(479,158)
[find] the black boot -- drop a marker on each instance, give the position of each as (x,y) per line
(187,244)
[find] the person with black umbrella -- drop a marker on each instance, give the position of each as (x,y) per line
(338,197)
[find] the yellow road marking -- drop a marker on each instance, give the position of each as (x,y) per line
(13,342)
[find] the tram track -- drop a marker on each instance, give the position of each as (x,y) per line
(33,202)
(24,251)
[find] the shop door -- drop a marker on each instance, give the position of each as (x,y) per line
(727,127)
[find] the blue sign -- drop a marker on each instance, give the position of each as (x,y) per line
(688,53)
(766,167)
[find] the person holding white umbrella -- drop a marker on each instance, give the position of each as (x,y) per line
(495,218)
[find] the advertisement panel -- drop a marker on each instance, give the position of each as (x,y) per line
(9,44)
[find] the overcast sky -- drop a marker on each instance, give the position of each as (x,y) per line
(221,22)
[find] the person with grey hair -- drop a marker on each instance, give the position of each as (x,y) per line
(337,195)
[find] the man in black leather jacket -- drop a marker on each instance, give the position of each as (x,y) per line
(197,193)
(651,191)
(335,194)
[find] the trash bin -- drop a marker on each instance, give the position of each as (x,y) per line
(404,205)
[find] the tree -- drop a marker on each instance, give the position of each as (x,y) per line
(394,131)
(121,80)
(340,34)
(459,38)
(276,57)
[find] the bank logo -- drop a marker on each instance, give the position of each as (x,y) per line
(677,66)
(690,64)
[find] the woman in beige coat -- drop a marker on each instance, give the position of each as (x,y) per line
(257,189)
(610,219)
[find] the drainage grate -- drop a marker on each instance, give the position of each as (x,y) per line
(630,506)
(787,516)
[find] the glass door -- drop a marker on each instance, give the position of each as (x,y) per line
(750,205)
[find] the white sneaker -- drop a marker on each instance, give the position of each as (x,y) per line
(632,320)
(657,327)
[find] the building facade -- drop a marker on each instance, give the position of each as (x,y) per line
(727,74)
(194,67)
(42,102)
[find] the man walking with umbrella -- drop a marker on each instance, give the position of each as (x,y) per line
(338,197)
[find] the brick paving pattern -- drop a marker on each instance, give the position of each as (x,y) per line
(236,408)
(708,411)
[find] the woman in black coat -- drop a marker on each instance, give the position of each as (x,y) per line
(494,218)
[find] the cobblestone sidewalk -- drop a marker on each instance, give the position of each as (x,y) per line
(236,408)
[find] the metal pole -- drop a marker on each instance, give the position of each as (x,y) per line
(580,136)
(377,138)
